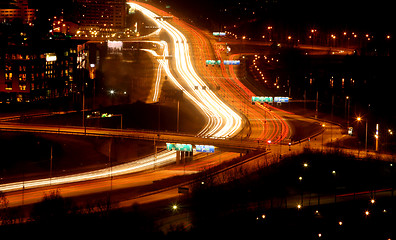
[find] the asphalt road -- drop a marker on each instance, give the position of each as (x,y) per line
(224,114)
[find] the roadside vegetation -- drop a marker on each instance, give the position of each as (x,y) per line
(340,197)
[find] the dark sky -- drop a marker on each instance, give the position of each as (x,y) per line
(370,15)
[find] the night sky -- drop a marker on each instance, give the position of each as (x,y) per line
(365,15)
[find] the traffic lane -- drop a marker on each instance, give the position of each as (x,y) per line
(30,196)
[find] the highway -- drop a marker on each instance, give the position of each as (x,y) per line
(224,120)
(264,122)
(163,137)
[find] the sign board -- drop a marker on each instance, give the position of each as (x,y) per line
(281,99)
(50,57)
(219,33)
(204,148)
(179,147)
(114,45)
(213,62)
(262,99)
(232,62)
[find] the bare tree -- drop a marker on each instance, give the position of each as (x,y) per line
(4,210)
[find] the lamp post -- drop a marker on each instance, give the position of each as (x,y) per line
(323,125)
(376,136)
(365,143)
(347,104)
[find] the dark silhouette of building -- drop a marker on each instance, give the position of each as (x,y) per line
(18,9)
(40,70)
(102,15)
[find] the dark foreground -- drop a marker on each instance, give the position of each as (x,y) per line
(355,202)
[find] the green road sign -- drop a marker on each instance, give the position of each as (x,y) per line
(179,147)
(262,99)
(213,62)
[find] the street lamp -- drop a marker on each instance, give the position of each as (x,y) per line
(347,105)
(323,125)
(299,206)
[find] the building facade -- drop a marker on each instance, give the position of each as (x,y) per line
(102,15)
(18,10)
(42,70)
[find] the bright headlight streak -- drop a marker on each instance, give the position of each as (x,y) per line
(164,63)
(223,121)
(223,115)
(163,158)
(158,78)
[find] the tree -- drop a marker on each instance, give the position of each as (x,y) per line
(4,210)
(52,208)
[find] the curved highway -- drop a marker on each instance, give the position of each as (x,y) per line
(224,121)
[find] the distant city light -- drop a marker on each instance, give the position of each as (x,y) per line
(299,206)
(50,57)
(115,45)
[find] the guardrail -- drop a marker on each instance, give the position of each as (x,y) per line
(138,135)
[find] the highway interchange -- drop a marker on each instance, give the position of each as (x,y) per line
(232,121)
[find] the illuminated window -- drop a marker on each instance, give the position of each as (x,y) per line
(22,77)
(8,86)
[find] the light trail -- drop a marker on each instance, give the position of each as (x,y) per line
(268,125)
(147,163)
(223,122)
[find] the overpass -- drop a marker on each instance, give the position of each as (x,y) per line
(236,145)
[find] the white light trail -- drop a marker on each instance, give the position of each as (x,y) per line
(147,163)
(223,122)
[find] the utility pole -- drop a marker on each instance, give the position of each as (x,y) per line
(50,167)
(178,113)
(317,100)
(376,136)
(111,177)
